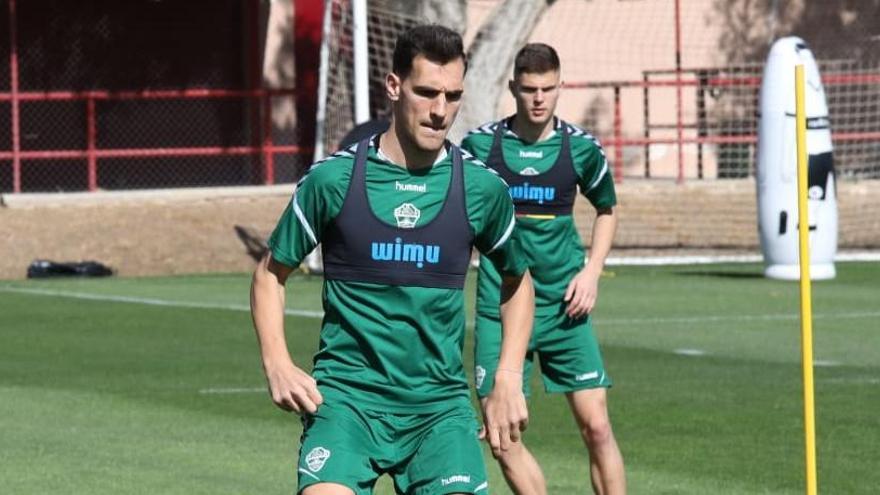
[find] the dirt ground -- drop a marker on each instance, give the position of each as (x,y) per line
(199,230)
(145,236)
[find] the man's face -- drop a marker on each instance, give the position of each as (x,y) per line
(426,102)
(536,94)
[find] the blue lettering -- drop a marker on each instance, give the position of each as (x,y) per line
(397,253)
(531,193)
(433,254)
(382,251)
(410,253)
(537,194)
(415,253)
(516,192)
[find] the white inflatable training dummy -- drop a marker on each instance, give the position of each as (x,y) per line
(777,166)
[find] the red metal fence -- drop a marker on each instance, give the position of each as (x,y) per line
(90,139)
(63,127)
(859,123)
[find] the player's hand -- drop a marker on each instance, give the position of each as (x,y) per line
(505,413)
(291,388)
(581,294)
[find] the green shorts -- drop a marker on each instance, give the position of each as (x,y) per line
(425,453)
(567,350)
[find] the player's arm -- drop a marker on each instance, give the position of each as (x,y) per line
(597,184)
(504,409)
(506,413)
(583,290)
(297,233)
(291,388)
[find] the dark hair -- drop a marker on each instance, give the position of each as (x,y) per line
(435,42)
(535,58)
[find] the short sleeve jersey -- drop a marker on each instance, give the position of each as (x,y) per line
(396,348)
(551,243)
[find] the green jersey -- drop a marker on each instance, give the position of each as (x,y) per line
(394,347)
(550,243)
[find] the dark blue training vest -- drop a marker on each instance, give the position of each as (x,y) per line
(549,193)
(359,247)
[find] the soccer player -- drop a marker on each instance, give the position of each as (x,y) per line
(544,159)
(397,215)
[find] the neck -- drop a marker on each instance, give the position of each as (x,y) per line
(404,152)
(529,132)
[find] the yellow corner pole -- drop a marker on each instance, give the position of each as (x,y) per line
(806,305)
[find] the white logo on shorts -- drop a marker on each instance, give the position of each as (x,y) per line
(587,376)
(458,478)
(317,457)
(479,376)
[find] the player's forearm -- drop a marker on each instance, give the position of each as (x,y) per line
(267,311)
(604,229)
(517,315)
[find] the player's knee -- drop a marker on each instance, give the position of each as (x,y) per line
(327,489)
(596,432)
(512,454)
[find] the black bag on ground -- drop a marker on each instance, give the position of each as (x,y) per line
(47,269)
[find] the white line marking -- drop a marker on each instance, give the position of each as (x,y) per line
(251,390)
(824,363)
(716,318)
(320,314)
(681,260)
(150,302)
(819,363)
(690,352)
(719,258)
(870,380)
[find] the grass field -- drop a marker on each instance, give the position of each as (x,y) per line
(153,385)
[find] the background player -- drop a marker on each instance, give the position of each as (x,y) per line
(544,159)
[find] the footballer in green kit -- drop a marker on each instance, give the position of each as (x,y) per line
(397,215)
(545,161)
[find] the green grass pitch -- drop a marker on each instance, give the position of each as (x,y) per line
(153,385)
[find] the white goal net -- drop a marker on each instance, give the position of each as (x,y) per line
(671,90)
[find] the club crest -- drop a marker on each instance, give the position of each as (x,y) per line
(479,376)
(316,458)
(407,215)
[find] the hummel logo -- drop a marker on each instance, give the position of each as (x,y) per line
(531,154)
(587,376)
(458,478)
(420,188)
